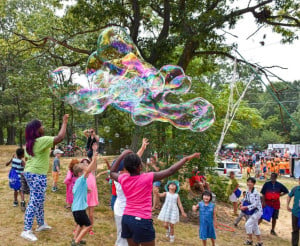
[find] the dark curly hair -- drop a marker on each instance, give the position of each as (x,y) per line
(132,162)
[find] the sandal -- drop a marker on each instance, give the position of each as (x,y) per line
(273,233)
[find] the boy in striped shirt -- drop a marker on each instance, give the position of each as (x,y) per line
(18,164)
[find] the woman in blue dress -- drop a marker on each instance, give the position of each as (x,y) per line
(207,218)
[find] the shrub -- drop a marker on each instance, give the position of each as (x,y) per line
(218,185)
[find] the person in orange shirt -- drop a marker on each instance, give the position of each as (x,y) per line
(262,164)
(269,165)
(248,171)
(272,169)
(281,168)
(287,166)
(276,168)
(241,166)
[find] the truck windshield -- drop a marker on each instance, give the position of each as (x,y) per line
(232,166)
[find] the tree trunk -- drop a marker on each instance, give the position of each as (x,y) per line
(72,121)
(135,138)
(1,136)
(61,114)
(20,122)
(21,137)
(53,118)
(162,139)
(96,120)
(187,54)
(11,133)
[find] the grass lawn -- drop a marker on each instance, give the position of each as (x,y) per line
(61,220)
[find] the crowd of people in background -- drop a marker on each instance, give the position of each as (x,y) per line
(260,163)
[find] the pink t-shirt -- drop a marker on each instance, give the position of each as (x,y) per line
(138,192)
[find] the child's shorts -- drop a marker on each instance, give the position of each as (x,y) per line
(140,230)
(24,186)
(233,198)
(81,218)
(55,176)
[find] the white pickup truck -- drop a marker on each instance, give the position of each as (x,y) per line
(224,168)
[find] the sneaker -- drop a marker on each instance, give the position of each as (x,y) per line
(259,244)
(248,242)
(53,189)
(82,242)
(28,235)
(273,233)
(172,239)
(15,204)
(23,206)
(91,232)
(167,233)
(75,244)
(43,227)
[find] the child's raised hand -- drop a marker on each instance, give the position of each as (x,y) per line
(65,118)
(145,142)
(95,147)
(195,155)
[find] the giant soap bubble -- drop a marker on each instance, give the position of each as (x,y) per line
(117,75)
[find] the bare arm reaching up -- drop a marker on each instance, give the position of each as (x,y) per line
(113,170)
(61,135)
(174,168)
(143,147)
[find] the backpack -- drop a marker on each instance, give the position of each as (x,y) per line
(14,180)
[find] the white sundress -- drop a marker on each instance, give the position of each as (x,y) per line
(170,212)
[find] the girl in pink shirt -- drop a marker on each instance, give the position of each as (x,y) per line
(70,181)
(137,224)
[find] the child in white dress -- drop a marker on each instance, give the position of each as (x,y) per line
(170,212)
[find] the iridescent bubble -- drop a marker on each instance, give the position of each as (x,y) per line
(117,75)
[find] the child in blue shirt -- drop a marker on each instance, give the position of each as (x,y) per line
(80,191)
(207,218)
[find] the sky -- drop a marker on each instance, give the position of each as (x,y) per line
(272,53)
